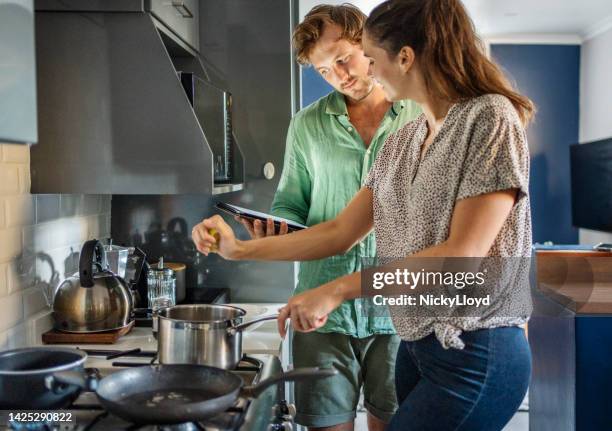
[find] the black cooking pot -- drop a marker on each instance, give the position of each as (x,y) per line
(23,373)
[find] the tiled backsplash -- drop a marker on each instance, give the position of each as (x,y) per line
(40,238)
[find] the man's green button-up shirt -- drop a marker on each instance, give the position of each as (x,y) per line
(326,163)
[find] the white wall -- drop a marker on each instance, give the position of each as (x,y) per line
(596,103)
(365,5)
(33,230)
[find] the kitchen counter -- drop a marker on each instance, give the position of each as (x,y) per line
(579,280)
(582,298)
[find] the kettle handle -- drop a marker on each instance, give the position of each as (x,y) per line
(92,248)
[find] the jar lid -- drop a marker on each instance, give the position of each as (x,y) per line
(161,269)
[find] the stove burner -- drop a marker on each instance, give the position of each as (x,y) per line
(246,414)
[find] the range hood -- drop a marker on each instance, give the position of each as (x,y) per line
(113,115)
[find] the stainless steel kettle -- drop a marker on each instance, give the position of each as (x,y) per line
(94,299)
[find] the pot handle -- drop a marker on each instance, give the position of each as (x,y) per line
(56,381)
(289,376)
(92,248)
(238,328)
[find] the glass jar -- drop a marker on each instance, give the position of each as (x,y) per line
(161,287)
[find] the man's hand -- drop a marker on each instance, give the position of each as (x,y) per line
(214,235)
(309,310)
(256,228)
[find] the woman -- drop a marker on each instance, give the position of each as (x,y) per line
(452,183)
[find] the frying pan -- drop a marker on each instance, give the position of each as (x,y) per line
(174,393)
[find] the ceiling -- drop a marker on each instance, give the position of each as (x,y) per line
(493,18)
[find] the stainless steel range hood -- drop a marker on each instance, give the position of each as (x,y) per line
(113,116)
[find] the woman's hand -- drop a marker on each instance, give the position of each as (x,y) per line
(214,235)
(309,310)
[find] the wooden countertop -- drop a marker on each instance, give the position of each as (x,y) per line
(582,298)
(580,280)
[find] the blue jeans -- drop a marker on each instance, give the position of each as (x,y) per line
(477,388)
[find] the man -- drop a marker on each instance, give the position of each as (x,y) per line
(331,145)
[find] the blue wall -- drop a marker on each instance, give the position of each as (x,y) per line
(549,75)
(313,86)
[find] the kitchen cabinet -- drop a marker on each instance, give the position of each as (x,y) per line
(17,72)
(570,334)
(182,17)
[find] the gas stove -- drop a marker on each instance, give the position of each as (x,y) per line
(266,412)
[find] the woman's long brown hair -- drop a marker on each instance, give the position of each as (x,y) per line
(449,52)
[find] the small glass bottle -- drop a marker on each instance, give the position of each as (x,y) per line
(161,291)
(161,286)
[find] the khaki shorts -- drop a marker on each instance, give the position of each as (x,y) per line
(367,362)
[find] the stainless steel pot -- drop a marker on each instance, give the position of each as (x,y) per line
(202,334)
(91,301)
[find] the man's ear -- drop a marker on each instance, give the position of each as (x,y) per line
(405,58)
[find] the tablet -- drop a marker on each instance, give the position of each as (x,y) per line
(256,215)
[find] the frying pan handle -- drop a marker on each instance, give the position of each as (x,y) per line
(238,328)
(57,380)
(289,376)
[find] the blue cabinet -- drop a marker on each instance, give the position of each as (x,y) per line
(571,385)
(17,72)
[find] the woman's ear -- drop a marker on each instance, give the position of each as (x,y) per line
(405,58)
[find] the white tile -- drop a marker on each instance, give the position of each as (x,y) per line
(104,223)
(35,239)
(25,181)
(70,205)
(93,225)
(21,274)
(65,231)
(47,208)
(17,336)
(38,325)
(63,261)
(91,204)
(20,210)
(106,204)
(33,302)
(2,213)
(3,279)
(12,310)
(10,244)
(16,153)
(9,179)
(71,259)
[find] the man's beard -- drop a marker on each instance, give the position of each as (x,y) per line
(362,93)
